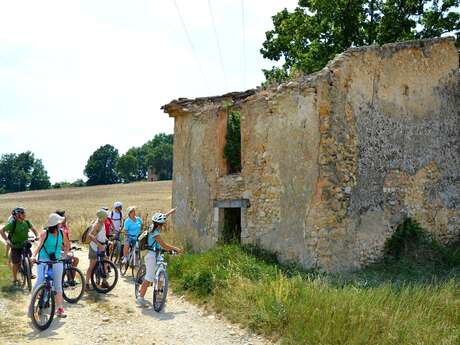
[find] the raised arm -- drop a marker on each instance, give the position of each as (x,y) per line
(165,245)
(171,211)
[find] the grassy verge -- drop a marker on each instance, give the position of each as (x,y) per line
(5,273)
(406,299)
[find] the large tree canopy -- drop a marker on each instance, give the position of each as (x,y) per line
(101,166)
(311,35)
(20,172)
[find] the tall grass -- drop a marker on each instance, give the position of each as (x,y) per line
(392,302)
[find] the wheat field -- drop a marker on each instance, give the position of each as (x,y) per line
(82,203)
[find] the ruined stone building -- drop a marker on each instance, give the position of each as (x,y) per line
(331,162)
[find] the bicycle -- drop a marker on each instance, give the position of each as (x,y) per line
(43,302)
(160,285)
(102,271)
(116,250)
(25,266)
(134,260)
(73,281)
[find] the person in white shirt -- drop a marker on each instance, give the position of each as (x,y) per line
(117,218)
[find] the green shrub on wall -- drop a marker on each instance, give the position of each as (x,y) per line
(232,150)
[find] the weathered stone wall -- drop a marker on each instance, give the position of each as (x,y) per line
(332,162)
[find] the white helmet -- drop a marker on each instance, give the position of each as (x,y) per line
(159,218)
(117,204)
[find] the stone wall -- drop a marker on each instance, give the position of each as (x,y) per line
(331,162)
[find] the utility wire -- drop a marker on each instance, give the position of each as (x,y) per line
(244,43)
(218,43)
(192,47)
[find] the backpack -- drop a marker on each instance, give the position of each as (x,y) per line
(143,240)
(84,236)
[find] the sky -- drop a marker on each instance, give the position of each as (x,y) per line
(76,75)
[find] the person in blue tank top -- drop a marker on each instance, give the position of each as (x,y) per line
(154,244)
(132,229)
(52,242)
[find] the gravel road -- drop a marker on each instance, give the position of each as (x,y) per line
(116,319)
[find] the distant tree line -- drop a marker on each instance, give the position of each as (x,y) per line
(106,166)
(21,172)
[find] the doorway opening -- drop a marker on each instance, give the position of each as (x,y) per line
(231,226)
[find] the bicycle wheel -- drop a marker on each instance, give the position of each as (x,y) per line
(28,272)
(123,266)
(160,291)
(104,280)
(139,280)
(115,255)
(139,262)
(43,307)
(22,276)
(73,284)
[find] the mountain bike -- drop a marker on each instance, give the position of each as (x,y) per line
(73,281)
(134,260)
(104,275)
(160,285)
(43,303)
(25,266)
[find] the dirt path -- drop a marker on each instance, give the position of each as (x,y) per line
(115,319)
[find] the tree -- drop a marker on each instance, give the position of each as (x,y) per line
(101,166)
(20,172)
(311,35)
(39,178)
(127,168)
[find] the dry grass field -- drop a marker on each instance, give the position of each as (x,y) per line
(81,204)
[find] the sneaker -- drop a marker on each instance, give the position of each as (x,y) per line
(141,301)
(124,260)
(105,285)
(61,313)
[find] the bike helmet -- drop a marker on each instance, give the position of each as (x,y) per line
(159,218)
(117,204)
(17,210)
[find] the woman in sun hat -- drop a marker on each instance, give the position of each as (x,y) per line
(52,242)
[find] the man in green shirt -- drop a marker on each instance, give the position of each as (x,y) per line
(18,233)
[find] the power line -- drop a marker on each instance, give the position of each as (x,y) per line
(244,43)
(217,43)
(192,47)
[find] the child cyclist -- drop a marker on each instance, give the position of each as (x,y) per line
(154,244)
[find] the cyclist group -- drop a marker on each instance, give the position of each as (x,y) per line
(54,245)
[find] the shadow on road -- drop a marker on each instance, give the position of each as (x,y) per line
(49,333)
(162,316)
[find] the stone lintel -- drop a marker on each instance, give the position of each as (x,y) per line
(233,203)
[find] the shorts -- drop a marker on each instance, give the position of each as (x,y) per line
(150,266)
(130,240)
(92,254)
(15,255)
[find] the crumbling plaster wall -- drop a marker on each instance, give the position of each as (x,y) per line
(332,162)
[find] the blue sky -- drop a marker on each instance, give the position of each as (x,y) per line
(75,75)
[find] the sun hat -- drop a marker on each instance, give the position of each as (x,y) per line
(54,219)
(130,209)
(102,214)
